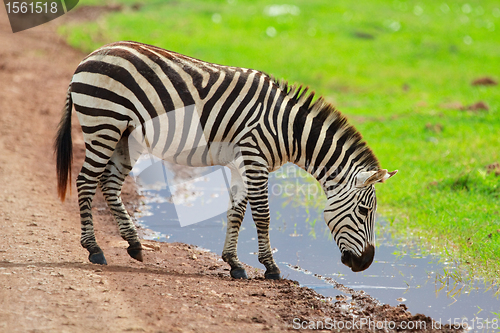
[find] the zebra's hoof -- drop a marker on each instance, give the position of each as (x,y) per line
(239,273)
(98,258)
(135,253)
(272,276)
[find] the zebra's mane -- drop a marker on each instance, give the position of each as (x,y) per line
(328,115)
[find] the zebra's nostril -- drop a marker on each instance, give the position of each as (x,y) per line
(346,258)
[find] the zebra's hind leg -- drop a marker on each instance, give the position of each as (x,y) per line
(235,214)
(259,203)
(86,182)
(111,184)
(100,144)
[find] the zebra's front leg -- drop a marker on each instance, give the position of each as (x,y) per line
(259,203)
(235,214)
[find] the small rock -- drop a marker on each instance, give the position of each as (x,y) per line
(403,306)
(493,167)
(484,81)
(135,329)
(151,247)
(363,35)
(258,320)
(478,106)
(136,6)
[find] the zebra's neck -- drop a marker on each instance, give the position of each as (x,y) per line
(322,142)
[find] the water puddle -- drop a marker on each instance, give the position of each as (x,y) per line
(303,247)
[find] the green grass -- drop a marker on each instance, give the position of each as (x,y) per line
(391,66)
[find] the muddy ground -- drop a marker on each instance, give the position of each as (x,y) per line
(46,282)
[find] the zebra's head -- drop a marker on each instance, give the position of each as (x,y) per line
(350,215)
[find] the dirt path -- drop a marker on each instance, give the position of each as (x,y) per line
(46,282)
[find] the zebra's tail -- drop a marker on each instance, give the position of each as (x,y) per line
(64,148)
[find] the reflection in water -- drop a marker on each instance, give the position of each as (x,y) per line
(306,252)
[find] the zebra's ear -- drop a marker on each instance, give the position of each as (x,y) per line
(363,177)
(389,175)
(367,178)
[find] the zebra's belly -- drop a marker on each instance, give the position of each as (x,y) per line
(178,138)
(216,153)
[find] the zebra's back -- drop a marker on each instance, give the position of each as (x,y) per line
(171,98)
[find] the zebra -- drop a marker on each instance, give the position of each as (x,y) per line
(251,122)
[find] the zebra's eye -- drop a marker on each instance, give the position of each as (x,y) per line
(363,210)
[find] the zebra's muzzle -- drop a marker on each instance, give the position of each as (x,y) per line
(359,263)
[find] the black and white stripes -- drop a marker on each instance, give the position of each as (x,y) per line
(195,113)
